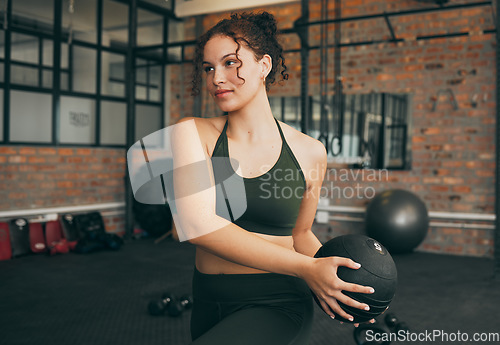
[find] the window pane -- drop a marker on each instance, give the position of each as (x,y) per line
(24,48)
(141,93)
(1,114)
(84,69)
(77,120)
(147,120)
(149,28)
(64,55)
(82,22)
(292,111)
(114,24)
(154,83)
(48,55)
(275,103)
(24,75)
(64,81)
(141,75)
(1,72)
(168,4)
(47,79)
(113,74)
(30,117)
(2,42)
(154,95)
(141,79)
(33,15)
(113,123)
(176,31)
(174,54)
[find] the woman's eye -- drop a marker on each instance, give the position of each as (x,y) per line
(231,63)
(208,69)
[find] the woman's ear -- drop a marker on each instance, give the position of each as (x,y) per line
(266,65)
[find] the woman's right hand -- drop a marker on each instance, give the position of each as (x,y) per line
(321,277)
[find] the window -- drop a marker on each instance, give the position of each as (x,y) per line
(147,120)
(113,74)
(36,16)
(114,24)
(77,121)
(25,59)
(113,123)
(1,115)
(79,22)
(148,80)
(83,69)
(30,117)
(78,97)
(149,28)
(2,54)
(372,131)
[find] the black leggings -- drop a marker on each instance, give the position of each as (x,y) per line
(250,309)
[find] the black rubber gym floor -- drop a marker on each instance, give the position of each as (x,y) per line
(102,298)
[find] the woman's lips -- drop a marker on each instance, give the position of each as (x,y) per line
(222,93)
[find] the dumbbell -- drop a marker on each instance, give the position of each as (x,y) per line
(177,307)
(170,304)
(158,307)
(394,324)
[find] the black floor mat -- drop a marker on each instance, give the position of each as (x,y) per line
(102,298)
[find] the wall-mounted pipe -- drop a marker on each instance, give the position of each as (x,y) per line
(450,224)
(45,214)
(432,215)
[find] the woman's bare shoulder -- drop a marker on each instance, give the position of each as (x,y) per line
(208,129)
(303,143)
(309,152)
(206,124)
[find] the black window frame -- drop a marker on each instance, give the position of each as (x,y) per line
(59,37)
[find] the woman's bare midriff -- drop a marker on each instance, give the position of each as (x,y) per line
(209,263)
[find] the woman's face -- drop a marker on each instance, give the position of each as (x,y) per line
(220,64)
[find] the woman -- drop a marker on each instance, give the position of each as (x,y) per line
(253,276)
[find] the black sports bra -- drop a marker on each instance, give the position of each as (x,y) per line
(272,199)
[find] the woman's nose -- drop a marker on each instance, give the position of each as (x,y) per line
(219,77)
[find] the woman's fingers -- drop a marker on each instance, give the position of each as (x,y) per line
(341,261)
(330,306)
(329,295)
(356,288)
(351,302)
(333,305)
(326,308)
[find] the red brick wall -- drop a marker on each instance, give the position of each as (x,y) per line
(452,150)
(33,177)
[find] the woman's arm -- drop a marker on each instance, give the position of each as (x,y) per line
(237,245)
(304,240)
(307,243)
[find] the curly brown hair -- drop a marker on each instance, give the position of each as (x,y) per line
(258,31)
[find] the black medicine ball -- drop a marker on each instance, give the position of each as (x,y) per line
(377,270)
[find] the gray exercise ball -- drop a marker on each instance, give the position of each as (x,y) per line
(398,219)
